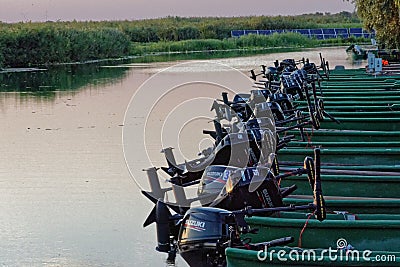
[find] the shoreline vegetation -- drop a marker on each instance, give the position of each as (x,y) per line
(29,44)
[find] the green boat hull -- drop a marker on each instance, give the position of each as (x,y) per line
(389,98)
(345,156)
(362,234)
(325,135)
(346,93)
(359,108)
(249,258)
(349,102)
(365,124)
(344,169)
(339,216)
(361,86)
(328,144)
(356,80)
(365,114)
(352,204)
(360,77)
(349,185)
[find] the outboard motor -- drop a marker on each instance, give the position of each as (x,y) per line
(286,63)
(289,69)
(235,188)
(258,96)
(265,109)
(204,235)
(285,101)
(291,86)
(310,68)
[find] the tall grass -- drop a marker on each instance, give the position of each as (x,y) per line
(182,46)
(283,40)
(33,46)
(289,39)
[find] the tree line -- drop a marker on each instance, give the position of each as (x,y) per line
(384,17)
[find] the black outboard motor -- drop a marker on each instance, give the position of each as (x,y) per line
(286,63)
(288,69)
(285,101)
(310,68)
(204,235)
(258,96)
(265,109)
(233,188)
(291,86)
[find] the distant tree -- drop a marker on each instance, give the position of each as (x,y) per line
(384,17)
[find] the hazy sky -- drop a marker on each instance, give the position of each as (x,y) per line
(41,10)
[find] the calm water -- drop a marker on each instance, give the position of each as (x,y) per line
(66,196)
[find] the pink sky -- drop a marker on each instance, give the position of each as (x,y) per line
(42,10)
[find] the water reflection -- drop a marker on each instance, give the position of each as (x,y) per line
(44,82)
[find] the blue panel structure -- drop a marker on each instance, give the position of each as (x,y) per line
(358,35)
(355,31)
(264,32)
(316,31)
(368,34)
(237,33)
(250,32)
(329,36)
(303,31)
(329,31)
(343,35)
(342,31)
(320,34)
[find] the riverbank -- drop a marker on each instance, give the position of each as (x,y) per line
(34,44)
(179,50)
(289,40)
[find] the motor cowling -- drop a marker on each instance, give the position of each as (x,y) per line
(267,108)
(256,188)
(202,236)
(285,101)
(235,188)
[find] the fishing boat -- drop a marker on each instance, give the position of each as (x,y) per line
(360,85)
(345,185)
(356,52)
(368,114)
(346,155)
(333,135)
(351,77)
(389,98)
(358,205)
(366,124)
(363,232)
(349,102)
(371,93)
(346,169)
(357,107)
(352,144)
